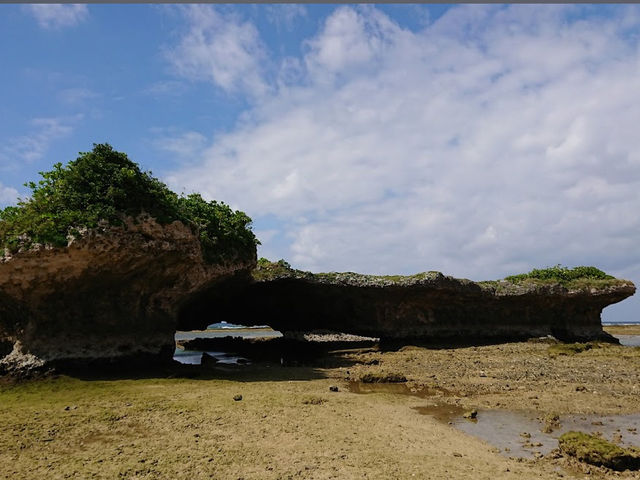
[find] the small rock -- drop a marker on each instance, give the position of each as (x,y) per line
(471,414)
(525,435)
(207,359)
(333,388)
(237,398)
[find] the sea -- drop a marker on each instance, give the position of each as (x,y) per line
(223,329)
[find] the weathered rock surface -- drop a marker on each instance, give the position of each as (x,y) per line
(111,294)
(424,307)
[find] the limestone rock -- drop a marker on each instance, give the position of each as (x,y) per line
(111,294)
(428,306)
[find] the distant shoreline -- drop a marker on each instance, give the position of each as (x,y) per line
(622,328)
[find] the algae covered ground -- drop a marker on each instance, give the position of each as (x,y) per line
(185,424)
(193,429)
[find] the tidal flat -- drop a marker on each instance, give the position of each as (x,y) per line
(182,422)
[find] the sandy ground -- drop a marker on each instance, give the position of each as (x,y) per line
(289,424)
(623,329)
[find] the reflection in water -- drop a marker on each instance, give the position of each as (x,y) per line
(520,434)
(442,411)
(515,433)
(629,340)
(194,357)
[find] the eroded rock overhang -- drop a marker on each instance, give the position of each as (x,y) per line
(112,294)
(428,307)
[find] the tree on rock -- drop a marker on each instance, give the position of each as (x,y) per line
(105,186)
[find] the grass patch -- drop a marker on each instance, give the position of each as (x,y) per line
(597,451)
(267,270)
(562,274)
(576,278)
(313,400)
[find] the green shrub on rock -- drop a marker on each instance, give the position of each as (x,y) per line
(562,274)
(597,451)
(106,186)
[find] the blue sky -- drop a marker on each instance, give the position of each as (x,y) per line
(478,140)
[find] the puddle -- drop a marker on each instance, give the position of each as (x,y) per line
(514,433)
(194,357)
(519,434)
(629,340)
(221,330)
(444,412)
(396,388)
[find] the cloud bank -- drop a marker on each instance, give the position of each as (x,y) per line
(56,16)
(490,142)
(31,147)
(8,195)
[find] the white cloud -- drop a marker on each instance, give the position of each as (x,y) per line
(493,141)
(8,195)
(76,95)
(56,16)
(34,145)
(222,49)
(166,88)
(351,41)
(185,145)
(285,15)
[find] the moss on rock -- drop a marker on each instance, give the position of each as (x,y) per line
(597,451)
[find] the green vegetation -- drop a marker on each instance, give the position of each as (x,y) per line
(597,451)
(267,270)
(105,186)
(561,274)
(383,377)
(151,428)
(313,400)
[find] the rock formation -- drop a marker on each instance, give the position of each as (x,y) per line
(120,293)
(424,307)
(111,294)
